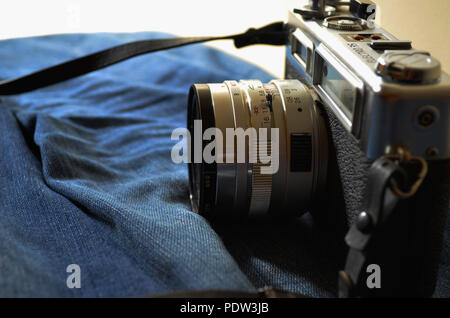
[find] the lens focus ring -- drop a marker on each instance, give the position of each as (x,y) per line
(255,100)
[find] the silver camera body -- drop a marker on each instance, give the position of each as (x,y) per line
(384,92)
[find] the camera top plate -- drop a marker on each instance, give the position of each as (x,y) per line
(380,88)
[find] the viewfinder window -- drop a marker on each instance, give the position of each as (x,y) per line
(339,89)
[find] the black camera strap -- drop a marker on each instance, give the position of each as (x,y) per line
(272,34)
(378,240)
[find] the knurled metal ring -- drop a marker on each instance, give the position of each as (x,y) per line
(358,25)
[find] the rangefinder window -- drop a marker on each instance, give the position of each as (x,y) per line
(302,48)
(300,52)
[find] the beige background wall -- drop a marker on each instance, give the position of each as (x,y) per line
(425,22)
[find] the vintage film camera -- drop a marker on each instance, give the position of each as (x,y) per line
(353,93)
(362,122)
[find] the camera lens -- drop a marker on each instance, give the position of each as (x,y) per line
(253,153)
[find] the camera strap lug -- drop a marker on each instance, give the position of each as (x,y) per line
(387,179)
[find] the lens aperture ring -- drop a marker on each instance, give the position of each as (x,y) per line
(255,98)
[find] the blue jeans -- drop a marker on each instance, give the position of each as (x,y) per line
(86,178)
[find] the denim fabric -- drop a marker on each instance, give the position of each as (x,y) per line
(86,178)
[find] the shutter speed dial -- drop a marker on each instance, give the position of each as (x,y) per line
(345,23)
(409,66)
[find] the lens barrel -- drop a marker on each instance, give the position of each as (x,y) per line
(255,150)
